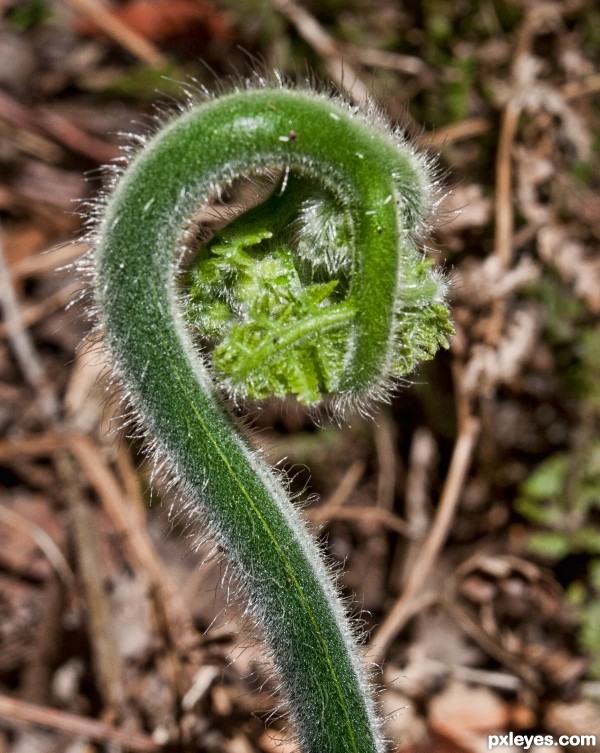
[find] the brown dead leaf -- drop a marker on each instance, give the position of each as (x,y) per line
(464,715)
(23,241)
(577,718)
(573,262)
(461,709)
(20,552)
(165,20)
(466,207)
(491,366)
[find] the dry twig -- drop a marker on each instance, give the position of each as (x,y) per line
(386,458)
(15,711)
(56,127)
(126,520)
(21,343)
(130,40)
(450,134)
(43,541)
(402,609)
(341,72)
(371,514)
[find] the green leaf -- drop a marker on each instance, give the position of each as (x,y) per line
(548,479)
(551,544)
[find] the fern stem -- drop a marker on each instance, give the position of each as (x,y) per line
(275,560)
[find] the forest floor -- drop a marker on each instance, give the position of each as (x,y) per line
(466,515)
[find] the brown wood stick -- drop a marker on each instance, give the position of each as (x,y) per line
(17,711)
(130,40)
(56,127)
(400,612)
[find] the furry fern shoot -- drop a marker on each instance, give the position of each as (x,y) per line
(322,292)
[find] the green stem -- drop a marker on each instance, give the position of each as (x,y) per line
(275,560)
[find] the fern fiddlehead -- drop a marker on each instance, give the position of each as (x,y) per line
(319,290)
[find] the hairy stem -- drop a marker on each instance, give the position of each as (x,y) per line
(138,241)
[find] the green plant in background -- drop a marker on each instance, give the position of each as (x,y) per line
(29,14)
(320,292)
(562,495)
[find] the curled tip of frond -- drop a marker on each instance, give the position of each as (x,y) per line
(252,358)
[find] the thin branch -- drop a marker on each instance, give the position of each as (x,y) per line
(22,345)
(341,72)
(576,89)
(43,541)
(127,38)
(504,228)
(459,465)
(92,570)
(125,517)
(417,499)
(371,514)
(48,261)
(37,311)
(385,445)
(15,711)
(35,445)
(450,134)
(56,127)
(394,61)
(343,491)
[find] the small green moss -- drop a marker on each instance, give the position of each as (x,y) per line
(584,172)
(29,14)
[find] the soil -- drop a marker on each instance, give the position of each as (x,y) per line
(463,516)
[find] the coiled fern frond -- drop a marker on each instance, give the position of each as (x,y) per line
(321,291)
